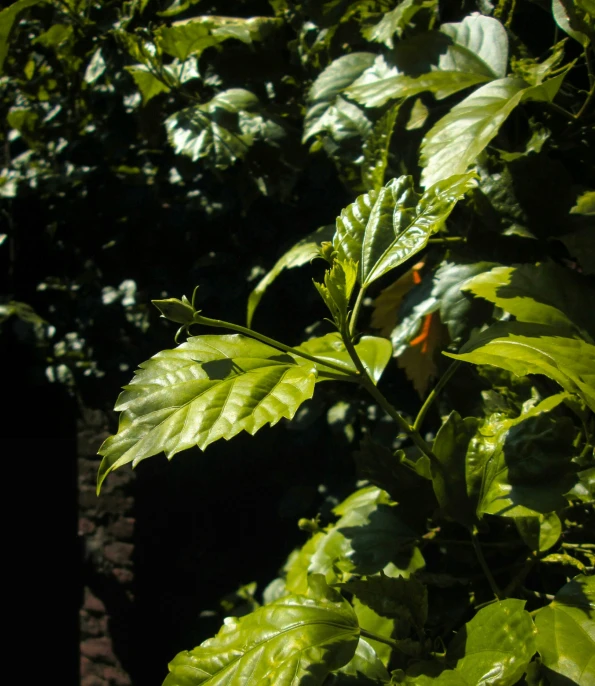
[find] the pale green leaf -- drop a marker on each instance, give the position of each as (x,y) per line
(496,646)
(418,116)
(396,21)
(177,7)
(544,293)
(193,36)
(585,204)
(329,85)
(210,387)
(7,18)
(295,639)
(536,350)
(148,84)
(565,16)
(95,68)
(301,253)
(339,282)
(373,351)
(566,631)
(540,533)
(371,621)
(383,229)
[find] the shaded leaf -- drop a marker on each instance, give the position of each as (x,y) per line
(380,626)
(301,253)
(418,359)
(365,666)
(148,84)
(376,149)
(540,533)
(545,293)
(542,350)
(7,18)
(566,631)
(581,246)
(295,639)
(565,15)
(387,303)
(381,230)
(329,84)
(496,646)
(210,387)
(339,282)
(373,351)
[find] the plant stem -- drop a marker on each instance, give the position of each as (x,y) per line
(585,546)
(356,309)
(484,565)
(367,383)
(381,639)
(521,575)
(448,239)
(434,393)
(218,323)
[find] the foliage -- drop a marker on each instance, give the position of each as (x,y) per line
(463,247)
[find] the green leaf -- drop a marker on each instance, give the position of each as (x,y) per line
(365,666)
(512,468)
(396,598)
(295,639)
(328,86)
(210,387)
(373,351)
(371,621)
(540,533)
(301,253)
(222,130)
(542,350)
(496,646)
(193,36)
(544,294)
(396,21)
(339,282)
(383,229)
(456,140)
(148,84)
(95,68)
(566,631)
(585,204)
(367,537)
(376,149)
(566,16)
(459,56)
(7,18)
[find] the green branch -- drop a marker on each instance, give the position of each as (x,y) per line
(484,565)
(434,394)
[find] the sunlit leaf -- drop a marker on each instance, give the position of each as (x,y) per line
(383,229)
(396,21)
(365,666)
(339,282)
(566,631)
(301,253)
(565,15)
(95,68)
(457,139)
(148,84)
(376,150)
(495,647)
(540,533)
(296,639)
(329,85)
(544,293)
(374,352)
(210,387)
(536,349)
(585,204)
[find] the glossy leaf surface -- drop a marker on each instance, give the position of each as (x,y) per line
(568,361)
(566,631)
(296,639)
(210,387)
(365,666)
(382,230)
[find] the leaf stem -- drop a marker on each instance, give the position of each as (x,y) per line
(448,239)
(356,310)
(219,323)
(484,565)
(381,639)
(367,383)
(521,575)
(434,394)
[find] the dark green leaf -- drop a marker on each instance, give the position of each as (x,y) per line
(295,639)
(210,387)
(365,667)
(566,631)
(539,533)
(302,252)
(496,646)
(7,18)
